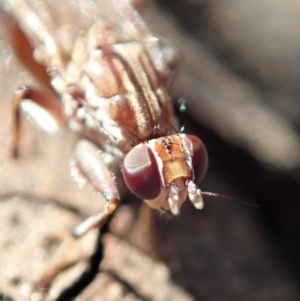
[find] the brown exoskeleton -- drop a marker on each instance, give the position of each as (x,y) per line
(111,89)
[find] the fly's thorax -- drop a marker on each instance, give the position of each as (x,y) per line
(123,94)
(143,102)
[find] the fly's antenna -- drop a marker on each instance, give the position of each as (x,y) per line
(182,108)
(182,105)
(212,194)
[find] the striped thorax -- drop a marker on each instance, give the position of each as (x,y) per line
(120,94)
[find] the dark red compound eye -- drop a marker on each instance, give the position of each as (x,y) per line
(199,156)
(141,173)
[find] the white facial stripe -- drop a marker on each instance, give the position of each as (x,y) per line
(151,145)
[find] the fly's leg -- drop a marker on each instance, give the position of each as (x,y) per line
(23,49)
(46,99)
(93,164)
(97,219)
(71,251)
(46,50)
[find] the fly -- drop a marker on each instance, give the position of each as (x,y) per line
(109,88)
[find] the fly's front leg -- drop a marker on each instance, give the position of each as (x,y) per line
(92,163)
(70,252)
(45,98)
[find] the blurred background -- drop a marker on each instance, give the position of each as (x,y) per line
(240,76)
(241,79)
